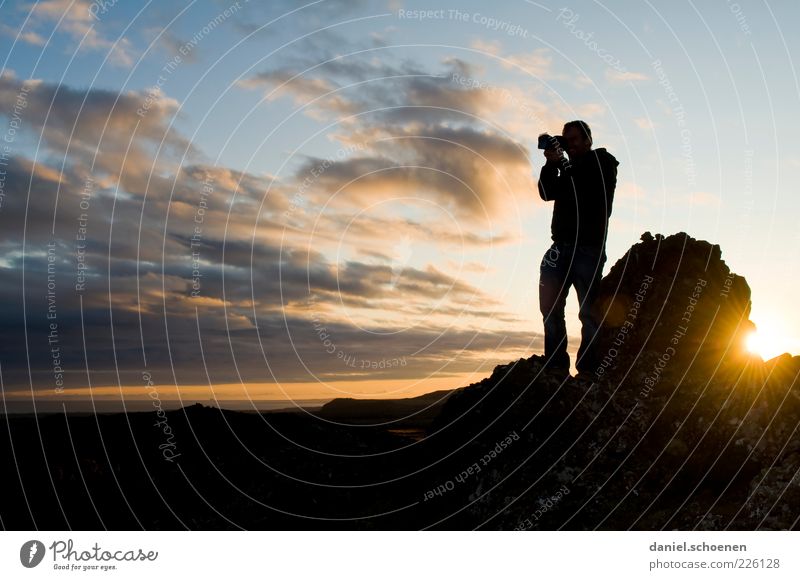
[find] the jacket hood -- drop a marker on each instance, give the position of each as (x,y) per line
(605,156)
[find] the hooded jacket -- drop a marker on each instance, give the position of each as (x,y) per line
(583,192)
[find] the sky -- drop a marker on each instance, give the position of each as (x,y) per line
(297,201)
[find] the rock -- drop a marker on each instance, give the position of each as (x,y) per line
(682,429)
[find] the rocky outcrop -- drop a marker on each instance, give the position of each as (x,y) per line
(670,306)
(681,428)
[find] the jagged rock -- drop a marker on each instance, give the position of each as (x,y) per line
(668,303)
(682,429)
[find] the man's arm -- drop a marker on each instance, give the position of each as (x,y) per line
(550,183)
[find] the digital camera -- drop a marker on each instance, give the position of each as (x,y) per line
(552,142)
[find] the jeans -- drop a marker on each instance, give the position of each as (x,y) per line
(564,265)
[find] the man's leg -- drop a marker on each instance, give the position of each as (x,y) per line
(587,271)
(553,289)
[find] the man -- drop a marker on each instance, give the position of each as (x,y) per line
(583,191)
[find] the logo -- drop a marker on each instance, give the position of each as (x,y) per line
(31,553)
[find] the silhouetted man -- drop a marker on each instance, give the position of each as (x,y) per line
(583,191)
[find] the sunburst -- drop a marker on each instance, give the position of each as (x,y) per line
(767,341)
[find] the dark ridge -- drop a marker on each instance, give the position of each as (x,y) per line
(680,428)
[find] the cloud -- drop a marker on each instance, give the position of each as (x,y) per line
(266,259)
(629,190)
(140,269)
(172,45)
(580,81)
(618,76)
(303,15)
(417,134)
(75,17)
(537,62)
(703,198)
(330,225)
(253,294)
(336,87)
(474,174)
(99,128)
(590,110)
(27,36)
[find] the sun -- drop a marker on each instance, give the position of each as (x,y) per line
(754,343)
(767,341)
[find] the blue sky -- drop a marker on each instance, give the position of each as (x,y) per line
(419,241)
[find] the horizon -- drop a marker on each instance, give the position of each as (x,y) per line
(293,203)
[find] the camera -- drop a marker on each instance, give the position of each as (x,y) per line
(552,142)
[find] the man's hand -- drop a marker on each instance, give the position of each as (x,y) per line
(553,156)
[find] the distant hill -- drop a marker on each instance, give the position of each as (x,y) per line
(421,409)
(409,417)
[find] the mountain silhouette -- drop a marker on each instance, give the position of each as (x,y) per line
(679,427)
